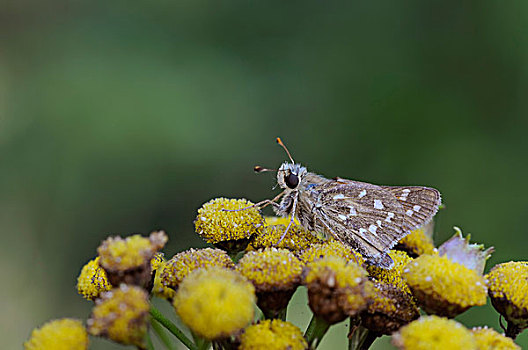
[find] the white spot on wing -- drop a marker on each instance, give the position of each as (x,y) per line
(362,194)
(372,229)
(362,231)
(379,223)
(417,208)
(378,204)
(339,196)
(405,193)
(342,217)
(409,212)
(389,217)
(353,211)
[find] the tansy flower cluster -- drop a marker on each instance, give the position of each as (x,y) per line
(235,294)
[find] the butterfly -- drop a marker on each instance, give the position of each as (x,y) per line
(369,218)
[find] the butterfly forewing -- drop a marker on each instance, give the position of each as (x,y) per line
(363,215)
(420,204)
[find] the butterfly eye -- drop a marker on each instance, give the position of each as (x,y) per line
(291,180)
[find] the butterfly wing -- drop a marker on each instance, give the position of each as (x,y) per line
(373,218)
(419,203)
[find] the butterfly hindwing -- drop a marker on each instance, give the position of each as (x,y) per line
(362,215)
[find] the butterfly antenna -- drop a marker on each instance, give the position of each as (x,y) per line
(279,141)
(259,169)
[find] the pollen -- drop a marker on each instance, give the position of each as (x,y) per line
(490,339)
(118,254)
(417,243)
(433,332)
(444,287)
(394,275)
(61,334)
(271,268)
(223,219)
(510,281)
(297,238)
(92,280)
(273,335)
(183,263)
(215,303)
(121,315)
(158,289)
(330,248)
(336,289)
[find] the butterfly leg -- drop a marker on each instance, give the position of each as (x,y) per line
(259,204)
(292,219)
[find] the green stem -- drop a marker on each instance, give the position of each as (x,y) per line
(360,338)
(316,331)
(149,342)
(282,314)
(357,337)
(200,342)
(162,335)
(158,316)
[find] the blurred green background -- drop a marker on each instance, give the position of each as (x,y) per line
(120,117)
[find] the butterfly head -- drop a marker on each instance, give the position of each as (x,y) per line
(290,175)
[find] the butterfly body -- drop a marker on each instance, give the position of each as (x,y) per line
(367,217)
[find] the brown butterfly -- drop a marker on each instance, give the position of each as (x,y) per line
(366,217)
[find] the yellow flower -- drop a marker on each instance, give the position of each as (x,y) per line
(271,268)
(275,273)
(128,260)
(434,333)
(62,334)
(121,315)
(419,241)
(490,339)
(215,303)
(92,280)
(444,287)
(336,289)
(330,248)
(185,262)
(297,238)
(158,289)
(390,308)
(122,254)
(216,225)
(508,286)
(273,335)
(392,303)
(394,275)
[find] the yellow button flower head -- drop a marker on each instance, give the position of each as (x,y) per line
(392,304)
(62,334)
(215,302)
(272,335)
(508,290)
(419,241)
(443,287)
(92,280)
(158,289)
(181,264)
(330,248)
(275,273)
(336,289)
(394,275)
(121,315)
(229,230)
(434,333)
(451,282)
(297,238)
(128,260)
(490,339)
